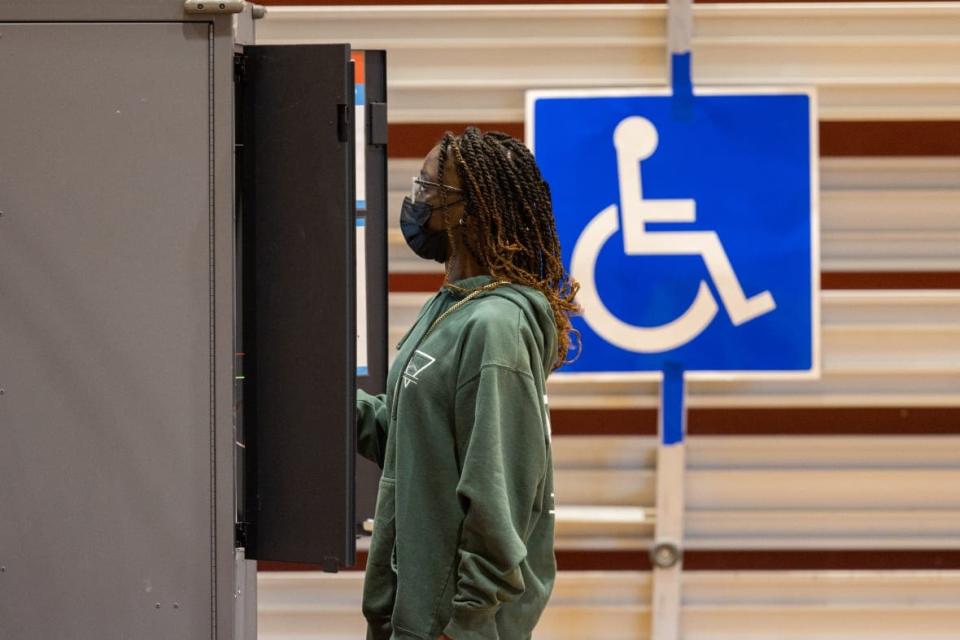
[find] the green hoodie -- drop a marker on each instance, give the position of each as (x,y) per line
(463,529)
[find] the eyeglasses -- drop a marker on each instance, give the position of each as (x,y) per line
(420,185)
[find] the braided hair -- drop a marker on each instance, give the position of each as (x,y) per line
(508,225)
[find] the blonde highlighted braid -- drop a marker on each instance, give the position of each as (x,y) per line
(508,223)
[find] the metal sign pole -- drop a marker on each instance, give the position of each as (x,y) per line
(667,551)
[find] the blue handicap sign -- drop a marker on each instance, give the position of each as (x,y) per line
(692,234)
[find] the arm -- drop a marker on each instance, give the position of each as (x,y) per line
(502,449)
(372,421)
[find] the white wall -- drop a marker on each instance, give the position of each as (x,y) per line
(887,348)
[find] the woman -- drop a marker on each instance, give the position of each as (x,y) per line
(462,544)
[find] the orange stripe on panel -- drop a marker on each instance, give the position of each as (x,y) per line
(359,67)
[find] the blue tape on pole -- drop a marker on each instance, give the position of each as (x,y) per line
(672,410)
(682,84)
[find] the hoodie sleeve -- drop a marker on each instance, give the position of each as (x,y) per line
(501,446)
(372,421)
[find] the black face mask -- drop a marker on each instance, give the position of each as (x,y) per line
(426,243)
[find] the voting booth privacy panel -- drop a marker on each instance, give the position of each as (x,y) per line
(177,316)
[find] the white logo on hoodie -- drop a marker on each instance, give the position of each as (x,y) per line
(418,363)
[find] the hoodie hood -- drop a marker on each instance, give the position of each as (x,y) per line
(534,305)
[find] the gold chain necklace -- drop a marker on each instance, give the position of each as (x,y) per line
(490,286)
(455,287)
(473,293)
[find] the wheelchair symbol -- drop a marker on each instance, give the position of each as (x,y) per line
(635,139)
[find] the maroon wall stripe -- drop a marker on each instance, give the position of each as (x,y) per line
(837,138)
(603,560)
(822,560)
(790,421)
(605,422)
(425,282)
(890,280)
(890,138)
(765,560)
(415,139)
(726,560)
(414,282)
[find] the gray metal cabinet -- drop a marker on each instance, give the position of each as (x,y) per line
(125,295)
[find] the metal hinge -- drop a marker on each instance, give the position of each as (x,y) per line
(378,123)
(239,67)
(214,6)
(344,122)
(240,534)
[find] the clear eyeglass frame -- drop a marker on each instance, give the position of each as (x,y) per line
(419,184)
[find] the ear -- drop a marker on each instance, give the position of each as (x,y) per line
(454,219)
(453,215)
